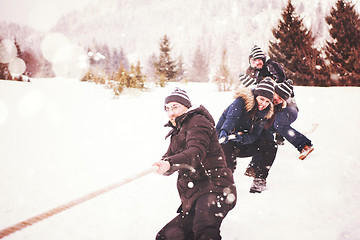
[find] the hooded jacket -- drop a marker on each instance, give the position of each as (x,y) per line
(243,116)
(195,152)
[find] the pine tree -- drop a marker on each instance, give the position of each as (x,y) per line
(180,70)
(31,61)
(4,71)
(294,48)
(343,51)
(223,78)
(200,68)
(166,66)
(136,74)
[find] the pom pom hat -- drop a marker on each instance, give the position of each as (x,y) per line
(257,53)
(265,88)
(179,96)
(284,89)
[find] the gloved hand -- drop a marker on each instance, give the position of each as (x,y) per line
(163,166)
(236,137)
(223,137)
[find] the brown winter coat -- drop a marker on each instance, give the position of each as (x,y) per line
(196,154)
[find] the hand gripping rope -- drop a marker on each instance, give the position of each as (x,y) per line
(21,225)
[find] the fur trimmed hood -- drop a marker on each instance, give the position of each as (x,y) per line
(250,101)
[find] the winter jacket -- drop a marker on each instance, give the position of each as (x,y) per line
(270,69)
(290,103)
(243,116)
(195,152)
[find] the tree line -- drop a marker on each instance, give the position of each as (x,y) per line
(293,46)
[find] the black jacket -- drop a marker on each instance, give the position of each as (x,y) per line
(195,152)
(270,69)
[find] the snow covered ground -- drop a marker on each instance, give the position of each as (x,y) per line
(61,139)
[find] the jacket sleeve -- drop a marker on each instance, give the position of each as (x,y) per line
(277,71)
(231,116)
(251,137)
(198,136)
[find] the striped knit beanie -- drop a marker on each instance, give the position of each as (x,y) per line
(284,89)
(246,80)
(265,88)
(179,96)
(257,53)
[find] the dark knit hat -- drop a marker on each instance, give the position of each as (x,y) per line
(265,88)
(257,53)
(284,89)
(179,96)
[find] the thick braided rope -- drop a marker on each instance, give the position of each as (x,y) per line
(21,225)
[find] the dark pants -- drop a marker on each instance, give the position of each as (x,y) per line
(263,151)
(202,222)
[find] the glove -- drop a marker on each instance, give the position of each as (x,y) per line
(246,80)
(236,137)
(223,137)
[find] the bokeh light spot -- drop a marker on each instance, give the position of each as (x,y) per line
(68,60)
(7,51)
(17,66)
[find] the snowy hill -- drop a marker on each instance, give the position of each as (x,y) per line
(61,139)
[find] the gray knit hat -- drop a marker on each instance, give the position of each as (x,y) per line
(257,53)
(265,88)
(179,96)
(284,89)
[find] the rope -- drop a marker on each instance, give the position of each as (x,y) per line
(21,225)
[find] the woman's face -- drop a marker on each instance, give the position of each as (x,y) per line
(277,99)
(173,110)
(263,102)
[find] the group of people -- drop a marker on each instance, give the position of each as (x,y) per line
(204,153)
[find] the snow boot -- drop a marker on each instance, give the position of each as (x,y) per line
(258,185)
(252,170)
(305,152)
(279,139)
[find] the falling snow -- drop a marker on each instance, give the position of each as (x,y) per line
(61,139)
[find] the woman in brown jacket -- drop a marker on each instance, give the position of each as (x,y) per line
(205,183)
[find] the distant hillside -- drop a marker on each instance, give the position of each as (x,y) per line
(137,26)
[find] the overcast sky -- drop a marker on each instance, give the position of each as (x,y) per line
(43,14)
(40,14)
